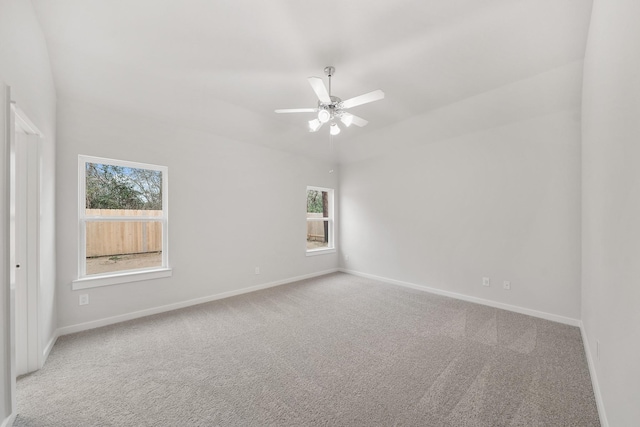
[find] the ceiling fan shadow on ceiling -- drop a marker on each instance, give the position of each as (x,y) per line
(332,109)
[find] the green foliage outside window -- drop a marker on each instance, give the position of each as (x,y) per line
(314,201)
(118,187)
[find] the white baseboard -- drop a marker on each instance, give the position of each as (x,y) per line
(8,422)
(495,304)
(47,349)
(156,310)
(594,378)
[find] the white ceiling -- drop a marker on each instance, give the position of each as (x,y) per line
(223,66)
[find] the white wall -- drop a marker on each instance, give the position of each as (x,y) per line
(442,209)
(611,205)
(24,65)
(232,206)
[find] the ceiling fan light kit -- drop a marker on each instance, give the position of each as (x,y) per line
(324,116)
(331,108)
(314,125)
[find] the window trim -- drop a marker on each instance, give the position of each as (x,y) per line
(331,248)
(85,281)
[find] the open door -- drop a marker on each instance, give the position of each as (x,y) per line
(26,184)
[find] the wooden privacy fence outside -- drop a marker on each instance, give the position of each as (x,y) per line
(109,238)
(315,229)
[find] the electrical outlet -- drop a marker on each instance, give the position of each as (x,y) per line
(257,270)
(346,257)
(506,285)
(486,281)
(84,299)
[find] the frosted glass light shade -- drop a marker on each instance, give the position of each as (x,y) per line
(324,116)
(314,125)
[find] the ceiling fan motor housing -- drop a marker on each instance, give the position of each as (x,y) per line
(334,108)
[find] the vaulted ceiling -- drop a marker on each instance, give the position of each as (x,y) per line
(224,66)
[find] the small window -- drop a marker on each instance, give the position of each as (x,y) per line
(122,218)
(320,236)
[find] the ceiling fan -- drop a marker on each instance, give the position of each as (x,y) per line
(330,108)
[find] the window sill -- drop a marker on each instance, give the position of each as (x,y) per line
(119,278)
(315,252)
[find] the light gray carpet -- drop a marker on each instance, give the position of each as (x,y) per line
(332,351)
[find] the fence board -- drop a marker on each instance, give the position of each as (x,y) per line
(111,238)
(315,229)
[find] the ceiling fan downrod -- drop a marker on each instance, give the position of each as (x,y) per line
(329,70)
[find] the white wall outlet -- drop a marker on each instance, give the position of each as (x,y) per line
(506,285)
(257,270)
(486,281)
(346,257)
(84,299)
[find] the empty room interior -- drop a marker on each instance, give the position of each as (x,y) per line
(469,254)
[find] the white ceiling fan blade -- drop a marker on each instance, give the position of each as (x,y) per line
(349,119)
(320,89)
(297,110)
(363,99)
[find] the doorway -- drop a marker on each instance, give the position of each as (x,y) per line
(25,183)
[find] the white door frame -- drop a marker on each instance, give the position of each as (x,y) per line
(7,271)
(26,179)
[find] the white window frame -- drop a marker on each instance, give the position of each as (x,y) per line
(331,246)
(85,281)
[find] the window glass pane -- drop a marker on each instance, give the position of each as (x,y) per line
(123,245)
(317,232)
(318,202)
(122,188)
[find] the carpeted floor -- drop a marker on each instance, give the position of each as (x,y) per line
(338,350)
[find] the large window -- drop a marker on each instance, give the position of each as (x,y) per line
(122,222)
(320,236)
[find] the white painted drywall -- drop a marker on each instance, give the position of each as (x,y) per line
(24,65)
(611,205)
(232,207)
(443,210)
